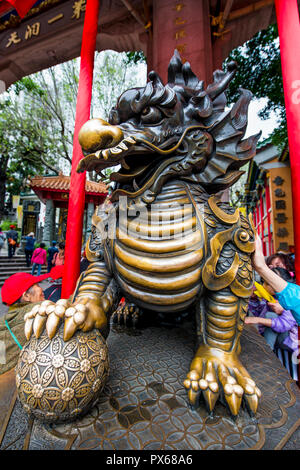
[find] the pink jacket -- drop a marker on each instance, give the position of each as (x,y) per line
(39,256)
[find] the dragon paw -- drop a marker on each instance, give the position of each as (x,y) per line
(84,314)
(216,374)
(127,314)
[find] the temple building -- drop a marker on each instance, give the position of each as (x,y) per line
(53,191)
(268,196)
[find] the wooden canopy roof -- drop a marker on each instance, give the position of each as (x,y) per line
(58,187)
(51,32)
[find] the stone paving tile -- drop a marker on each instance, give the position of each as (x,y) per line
(147,408)
(144,404)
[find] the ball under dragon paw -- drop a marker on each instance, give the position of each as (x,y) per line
(59,381)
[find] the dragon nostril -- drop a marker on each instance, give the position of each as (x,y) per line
(98,134)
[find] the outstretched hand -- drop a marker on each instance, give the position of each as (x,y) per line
(276,307)
(251,321)
(259,264)
(258,259)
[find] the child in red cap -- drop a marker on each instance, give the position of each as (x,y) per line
(19,292)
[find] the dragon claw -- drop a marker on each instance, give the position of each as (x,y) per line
(48,316)
(214,377)
(127,314)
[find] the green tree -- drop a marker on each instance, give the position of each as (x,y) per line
(115,73)
(259,70)
(19,154)
(37,115)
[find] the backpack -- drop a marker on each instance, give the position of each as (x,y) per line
(58,260)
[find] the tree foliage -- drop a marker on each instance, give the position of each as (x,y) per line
(115,73)
(37,115)
(259,70)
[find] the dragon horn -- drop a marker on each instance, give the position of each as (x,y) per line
(221,80)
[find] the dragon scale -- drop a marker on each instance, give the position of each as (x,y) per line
(161,269)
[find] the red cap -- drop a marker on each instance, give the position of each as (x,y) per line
(12,226)
(15,286)
(56,272)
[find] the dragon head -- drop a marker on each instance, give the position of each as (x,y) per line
(180,130)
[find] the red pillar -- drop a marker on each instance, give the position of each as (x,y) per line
(289,36)
(77,185)
(184,26)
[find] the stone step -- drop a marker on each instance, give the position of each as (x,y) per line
(16,267)
(9,269)
(10,266)
(12,260)
(10,272)
(14,257)
(5,266)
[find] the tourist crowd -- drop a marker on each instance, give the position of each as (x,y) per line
(36,256)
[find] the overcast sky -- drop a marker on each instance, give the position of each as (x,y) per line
(255,124)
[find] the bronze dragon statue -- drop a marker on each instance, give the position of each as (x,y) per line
(165,240)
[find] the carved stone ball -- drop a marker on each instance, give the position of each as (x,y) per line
(60,381)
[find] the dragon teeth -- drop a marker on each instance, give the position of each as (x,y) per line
(123,146)
(105,154)
(115,150)
(130,140)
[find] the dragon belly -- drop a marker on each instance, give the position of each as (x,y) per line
(158,255)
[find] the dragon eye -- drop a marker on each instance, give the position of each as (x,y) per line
(151,115)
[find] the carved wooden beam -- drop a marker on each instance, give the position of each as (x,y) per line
(134,12)
(249,9)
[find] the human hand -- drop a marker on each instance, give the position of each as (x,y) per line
(258,259)
(277,308)
(251,320)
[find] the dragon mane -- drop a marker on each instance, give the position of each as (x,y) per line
(227,126)
(204,113)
